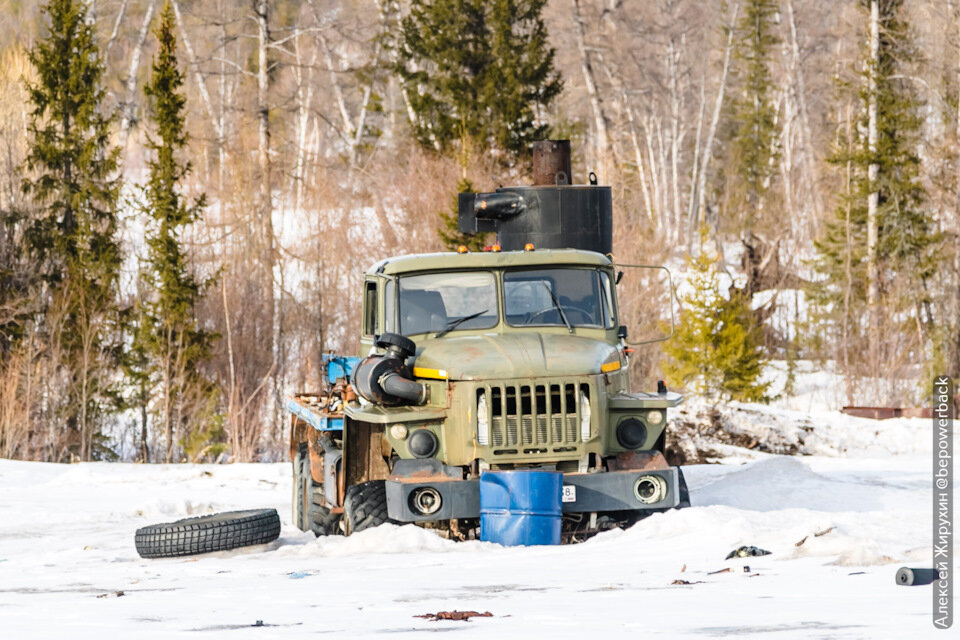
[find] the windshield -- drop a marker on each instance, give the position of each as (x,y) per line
(578,297)
(440,302)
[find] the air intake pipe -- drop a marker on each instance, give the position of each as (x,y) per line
(386,379)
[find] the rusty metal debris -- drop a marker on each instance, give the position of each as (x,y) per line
(454,615)
(886,413)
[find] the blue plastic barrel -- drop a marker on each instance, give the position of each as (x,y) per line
(520,507)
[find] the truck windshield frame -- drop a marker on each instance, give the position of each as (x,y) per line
(583,293)
(436,302)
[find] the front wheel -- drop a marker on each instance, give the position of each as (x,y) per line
(365,506)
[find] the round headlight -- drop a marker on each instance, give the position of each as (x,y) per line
(426,501)
(398,431)
(650,489)
(654,417)
(422,443)
(631,433)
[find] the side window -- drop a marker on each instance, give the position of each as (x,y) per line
(369,308)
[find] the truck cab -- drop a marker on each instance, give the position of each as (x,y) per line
(485,361)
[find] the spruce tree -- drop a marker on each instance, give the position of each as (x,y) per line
(169,338)
(716,350)
(449,230)
(906,245)
(754,143)
(73,232)
(480,69)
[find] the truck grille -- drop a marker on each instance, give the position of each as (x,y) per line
(533,418)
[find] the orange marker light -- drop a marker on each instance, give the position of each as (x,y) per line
(528,246)
(462,249)
(495,248)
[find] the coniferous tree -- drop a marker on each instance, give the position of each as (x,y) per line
(754,143)
(479,74)
(716,350)
(168,339)
(905,243)
(479,69)
(73,232)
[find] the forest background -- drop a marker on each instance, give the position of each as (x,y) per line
(234,171)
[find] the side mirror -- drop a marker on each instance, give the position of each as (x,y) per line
(646,303)
(619,277)
(622,330)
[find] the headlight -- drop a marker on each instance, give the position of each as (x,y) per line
(584,417)
(631,434)
(398,431)
(422,443)
(483,424)
(650,489)
(425,501)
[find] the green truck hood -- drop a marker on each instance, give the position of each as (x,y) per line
(518,355)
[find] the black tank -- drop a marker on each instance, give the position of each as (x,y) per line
(550,216)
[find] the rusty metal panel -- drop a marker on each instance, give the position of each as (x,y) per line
(886,413)
(551,162)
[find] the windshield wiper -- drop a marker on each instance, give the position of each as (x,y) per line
(459,321)
(556,304)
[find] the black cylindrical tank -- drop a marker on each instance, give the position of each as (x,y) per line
(552,214)
(562,217)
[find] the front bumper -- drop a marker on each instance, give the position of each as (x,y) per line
(582,493)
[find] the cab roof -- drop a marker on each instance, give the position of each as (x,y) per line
(487,260)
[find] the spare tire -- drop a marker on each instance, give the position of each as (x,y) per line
(203,534)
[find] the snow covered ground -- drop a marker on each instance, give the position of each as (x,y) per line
(66,551)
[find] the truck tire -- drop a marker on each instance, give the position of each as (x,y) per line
(301,488)
(322,521)
(203,534)
(309,512)
(365,506)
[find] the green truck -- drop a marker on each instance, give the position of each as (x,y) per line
(505,359)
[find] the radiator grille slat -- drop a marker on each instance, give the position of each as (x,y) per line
(538,417)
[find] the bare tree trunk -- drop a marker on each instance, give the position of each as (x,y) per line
(848,270)
(873,173)
(675,140)
(130,104)
(655,173)
(116,29)
(696,168)
(638,156)
(198,76)
(806,140)
(232,417)
(596,105)
(304,100)
(265,206)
